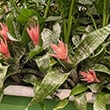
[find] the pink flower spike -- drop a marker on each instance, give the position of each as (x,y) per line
(4,48)
(33,32)
(90,76)
(3,31)
(61,51)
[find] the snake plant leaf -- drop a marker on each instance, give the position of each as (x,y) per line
(61,104)
(101,101)
(90,43)
(78,89)
(3,71)
(101,68)
(51,82)
(95,87)
(49,36)
(80,102)
(43,63)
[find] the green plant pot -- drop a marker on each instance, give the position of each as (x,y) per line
(19,103)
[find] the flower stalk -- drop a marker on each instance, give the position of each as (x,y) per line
(104,13)
(47,9)
(69,22)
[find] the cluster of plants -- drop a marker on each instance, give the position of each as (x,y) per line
(52,44)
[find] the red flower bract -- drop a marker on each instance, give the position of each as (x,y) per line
(33,32)
(90,76)
(3,31)
(4,48)
(61,51)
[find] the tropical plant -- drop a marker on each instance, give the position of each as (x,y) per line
(52,44)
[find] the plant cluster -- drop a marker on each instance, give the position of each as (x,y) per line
(52,44)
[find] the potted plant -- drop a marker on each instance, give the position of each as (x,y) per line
(56,44)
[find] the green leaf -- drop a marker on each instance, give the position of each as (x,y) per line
(43,62)
(80,102)
(51,82)
(17,49)
(90,44)
(11,25)
(101,68)
(78,89)
(48,36)
(101,101)
(25,14)
(95,87)
(3,71)
(32,79)
(38,49)
(61,104)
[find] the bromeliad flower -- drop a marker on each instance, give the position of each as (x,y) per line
(4,48)
(3,31)
(33,32)
(61,51)
(90,76)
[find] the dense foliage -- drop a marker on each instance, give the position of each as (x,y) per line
(52,44)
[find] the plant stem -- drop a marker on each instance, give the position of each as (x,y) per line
(47,9)
(69,22)
(93,20)
(104,13)
(64,27)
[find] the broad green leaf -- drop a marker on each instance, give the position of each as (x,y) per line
(49,37)
(80,102)
(43,62)
(90,44)
(61,104)
(51,82)
(35,51)
(57,30)
(95,87)
(101,101)
(78,89)
(46,36)
(12,27)
(25,14)
(101,68)
(3,71)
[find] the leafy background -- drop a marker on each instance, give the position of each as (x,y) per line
(82,24)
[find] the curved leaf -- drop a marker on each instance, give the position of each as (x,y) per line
(101,101)
(51,82)
(35,51)
(3,71)
(101,68)
(90,43)
(80,102)
(78,89)
(61,104)
(24,15)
